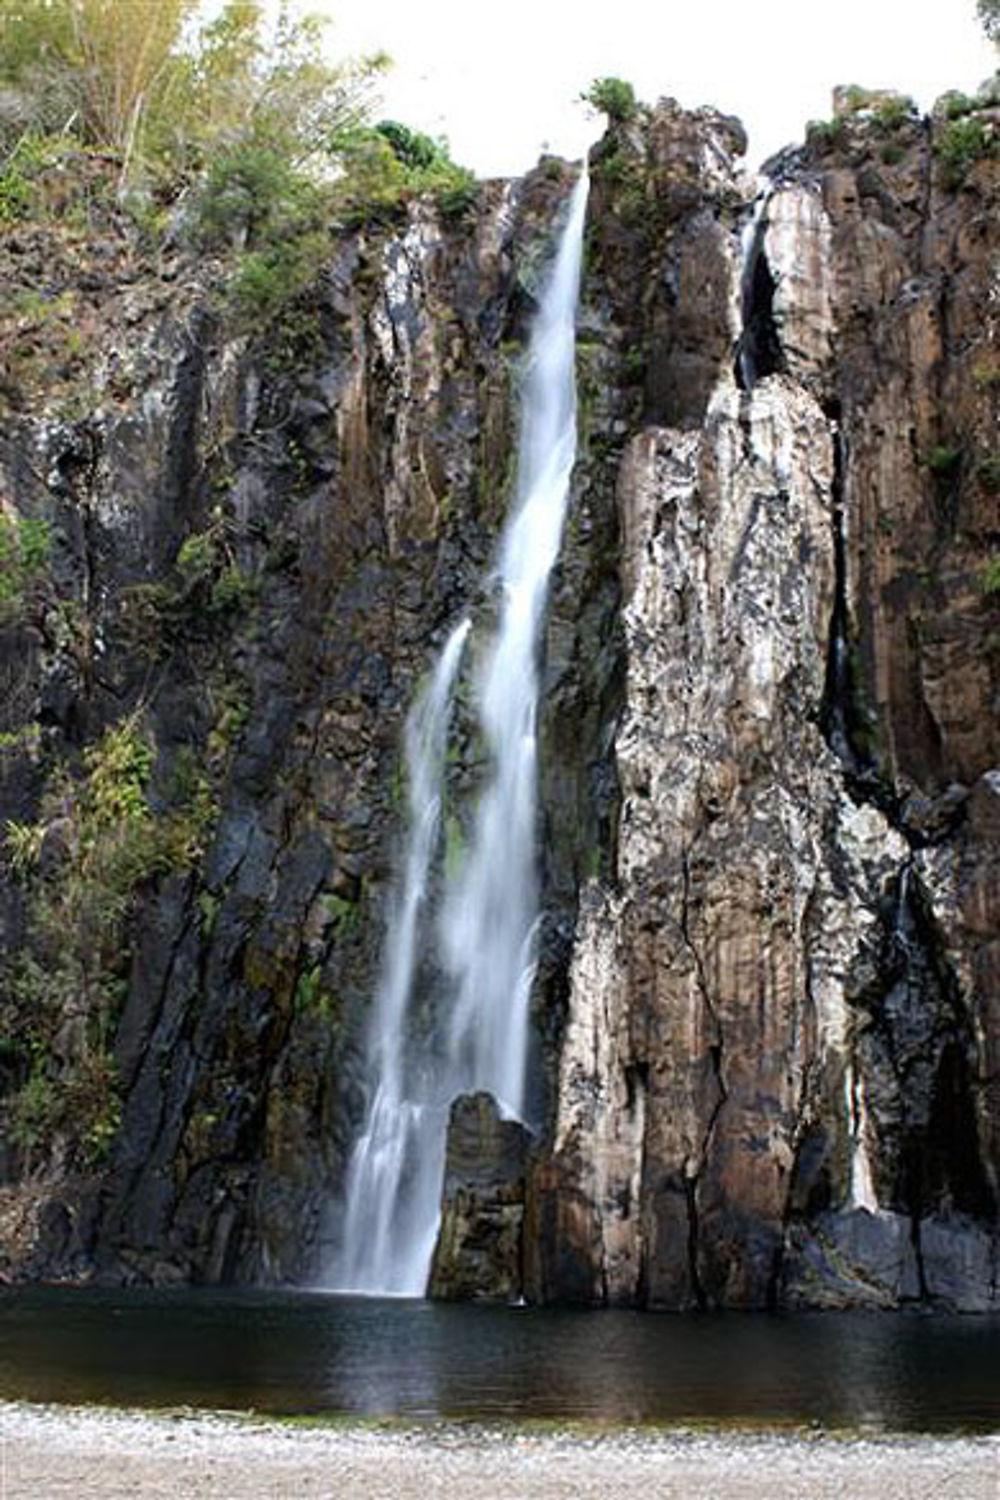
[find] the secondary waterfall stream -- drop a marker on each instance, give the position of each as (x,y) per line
(487,927)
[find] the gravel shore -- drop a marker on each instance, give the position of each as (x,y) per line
(48,1452)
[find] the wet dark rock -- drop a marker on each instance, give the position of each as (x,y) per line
(479,1253)
(959,1262)
(927,820)
(852,1259)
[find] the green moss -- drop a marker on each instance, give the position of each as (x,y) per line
(208,907)
(340,913)
(313,998)
(25,546)
(455,846)
(231,700)
(24,740)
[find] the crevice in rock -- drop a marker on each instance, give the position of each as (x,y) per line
(691,1197)
(845,722)
(919,1075)
(182,459)
(918,1257)
(715,1053)
(758,350)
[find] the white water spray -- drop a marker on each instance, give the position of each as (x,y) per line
(393,1167)
(488,923)
(488,926)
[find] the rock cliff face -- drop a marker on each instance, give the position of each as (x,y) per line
(777,1079)
(768,1005)
(256,545)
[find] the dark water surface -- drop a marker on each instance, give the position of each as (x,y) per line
(288,1352)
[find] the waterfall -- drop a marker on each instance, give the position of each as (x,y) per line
(487,925)
(489,921)
(393,1167)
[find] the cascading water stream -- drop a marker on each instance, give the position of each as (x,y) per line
(488,925)
(394,1153)
(488,922)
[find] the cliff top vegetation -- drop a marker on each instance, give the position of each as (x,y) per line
(233,133)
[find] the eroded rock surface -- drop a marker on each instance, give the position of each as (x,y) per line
(480,1243)
(767,1010)
(775,1081)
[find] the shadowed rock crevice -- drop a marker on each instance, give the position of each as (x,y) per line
(759,352)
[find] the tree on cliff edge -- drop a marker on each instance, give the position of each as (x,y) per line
(989,15)
(142,80)
(102,65)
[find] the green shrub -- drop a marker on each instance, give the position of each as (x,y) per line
(197,556)
(954,104)
(107,841)
(988,470)
(986,373)
(17,194)
(245,188)
(960,143)
(253,195)
(894,112)
(24,845)
(374,181)
(267,280)
(855,98)
(233,590)
(456,191)
(385,166)
(150,86)
(411,147)
(614,98)
(34,1109)
(943,460)
(825,136)
(25,546)
(991,577)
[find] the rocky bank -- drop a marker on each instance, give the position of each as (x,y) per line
(767,1064)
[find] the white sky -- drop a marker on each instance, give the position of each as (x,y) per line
(500,79)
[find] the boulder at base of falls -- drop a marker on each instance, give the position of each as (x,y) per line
(479,1250)
(851,1259)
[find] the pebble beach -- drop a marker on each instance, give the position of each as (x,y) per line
(91,1453)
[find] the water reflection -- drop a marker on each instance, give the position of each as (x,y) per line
(289,1352)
